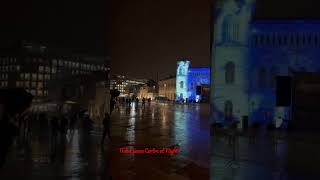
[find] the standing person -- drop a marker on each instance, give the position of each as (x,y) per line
(106,128)
(149,101)
(143,102)
(112,104)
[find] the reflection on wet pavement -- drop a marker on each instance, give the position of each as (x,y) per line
(159,126)
(76,155)
(274,155)
(79,155)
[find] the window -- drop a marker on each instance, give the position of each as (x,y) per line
(229,73)
(39,93)
(33,84)
(228,110)
(181,84)
(34,76)
(40,76)
(262,77)
(47,69)
(273,76)
(27,84)
(268,40)
(27,76)
(41,68)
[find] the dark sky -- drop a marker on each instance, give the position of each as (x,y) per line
(288,9)
(150,36)
(71,24)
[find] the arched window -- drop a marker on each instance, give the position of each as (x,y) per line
(181,84)
(228,110)
(229,73)
(227,28)
(262,77)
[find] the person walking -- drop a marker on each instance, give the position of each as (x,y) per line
(106,128)
(144,102)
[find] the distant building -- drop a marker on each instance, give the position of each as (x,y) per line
(190,82)
(167,88)
(126,85)
(35,68)
(148,90)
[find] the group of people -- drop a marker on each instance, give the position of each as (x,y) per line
(129,101)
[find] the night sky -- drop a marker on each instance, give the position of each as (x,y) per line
(142,37)
(77,26)
(150,36)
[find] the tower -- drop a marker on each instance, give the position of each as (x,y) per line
(230,56)
(182,80)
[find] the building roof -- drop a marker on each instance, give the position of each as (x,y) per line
(287,9)
(42,49)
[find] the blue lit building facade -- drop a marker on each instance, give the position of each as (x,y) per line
(189,79)
(248,55)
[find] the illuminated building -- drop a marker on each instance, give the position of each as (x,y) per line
(248,55)
(167,88)
(33,67)
(190,80)
(126,85)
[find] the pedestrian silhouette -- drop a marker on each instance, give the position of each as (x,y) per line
(143,102)
(106,127)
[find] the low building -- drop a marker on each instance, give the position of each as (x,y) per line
(148,90)
(167,88)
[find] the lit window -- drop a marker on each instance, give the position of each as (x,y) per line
(40,93)
(41,68)
(21,76)
(60,62)
(18,68)
(27,84)
(34,84)
(54,70)
(34,76)
(47,69)
(40,77)
(27,76)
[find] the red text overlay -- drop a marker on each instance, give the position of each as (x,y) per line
(170,151)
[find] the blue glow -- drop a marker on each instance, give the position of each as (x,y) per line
(188,79)
(182,80)
(280,47)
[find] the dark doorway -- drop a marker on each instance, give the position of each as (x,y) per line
(305,103)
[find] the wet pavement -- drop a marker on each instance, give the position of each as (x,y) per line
(268,156)
(161,126)
(80,155)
